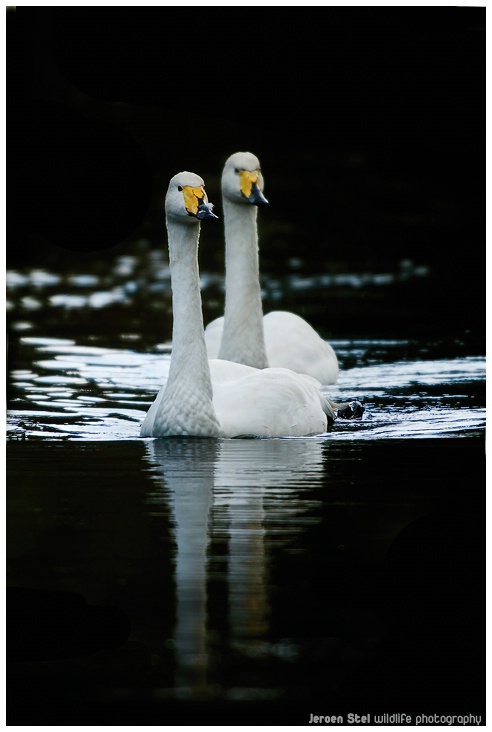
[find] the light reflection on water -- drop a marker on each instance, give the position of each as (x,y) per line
(156,261)
(88,392)
(248,495)
(62,388)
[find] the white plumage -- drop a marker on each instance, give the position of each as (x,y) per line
(219,398)
(243,334)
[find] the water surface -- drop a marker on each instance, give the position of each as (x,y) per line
(235,581)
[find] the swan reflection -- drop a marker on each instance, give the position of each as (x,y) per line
(244,494)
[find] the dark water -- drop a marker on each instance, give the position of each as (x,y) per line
(188,581)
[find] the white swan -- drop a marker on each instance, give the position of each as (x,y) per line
(279,338)
(219,398)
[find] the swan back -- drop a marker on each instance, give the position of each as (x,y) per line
(270,403)
(293,343)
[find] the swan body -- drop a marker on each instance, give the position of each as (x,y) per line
(243,334)
(289,342)
(219,398)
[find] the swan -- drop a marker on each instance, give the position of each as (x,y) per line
(218,398)
(243,334)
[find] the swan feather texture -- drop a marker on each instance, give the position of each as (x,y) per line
(219,398)
(243,334)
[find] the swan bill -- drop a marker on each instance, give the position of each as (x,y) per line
(196,203)
(205,211)
(248,183)
(256,197)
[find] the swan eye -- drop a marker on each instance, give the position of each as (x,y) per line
(237,171)
(180,188)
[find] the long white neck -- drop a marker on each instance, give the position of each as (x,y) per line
(243,338)
(186,406)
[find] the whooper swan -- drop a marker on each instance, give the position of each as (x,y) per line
(243,334)
(219,398)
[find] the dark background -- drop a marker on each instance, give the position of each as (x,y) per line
(369,123)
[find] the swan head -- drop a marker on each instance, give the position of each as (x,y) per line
(242,180)
(186,200)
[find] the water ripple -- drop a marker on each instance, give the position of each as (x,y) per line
(89,392)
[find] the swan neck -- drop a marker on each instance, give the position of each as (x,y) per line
(189,355)
(243,338)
